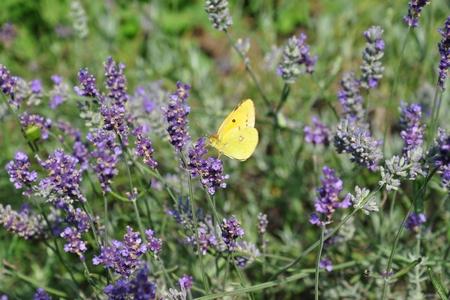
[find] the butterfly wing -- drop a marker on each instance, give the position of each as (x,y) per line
(239,143)
(242,116)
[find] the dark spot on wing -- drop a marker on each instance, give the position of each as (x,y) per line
(234,120)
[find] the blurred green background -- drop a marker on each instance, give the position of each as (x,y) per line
(173,40)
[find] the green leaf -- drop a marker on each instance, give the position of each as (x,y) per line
(437,284)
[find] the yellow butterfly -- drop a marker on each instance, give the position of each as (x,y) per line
(237,137)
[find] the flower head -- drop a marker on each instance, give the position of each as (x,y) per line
(325,263)
(412,129)
(296,59)
(144,149)
(64,177)
(19,172)
(7,83)
(231,231)
(154,244)
(24,222)
(358,142)
(59,93)
(350,98)
(124,257)
(328,198)
(372,69)
(262,223)
(317,133)
(414,10)
(106,155)
(185,282)
(218,14)
(41,294)
(209,169)
(116,82)
(444,51)
(87,87)
(414,221)
(74,243)
(440,156)
(176,115)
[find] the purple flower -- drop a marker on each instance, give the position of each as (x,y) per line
(119,290)
(350,98)
(317,133)
(144,149)
(231,231)
(440,156)
(87,87)
(209,169)
(414,10)
(176,116)
(41,294)
(296,59)
(197,162)
(36,86)
(154,244)
(328,198)
(106,155)
(19,172)
(412,129)
(116,82)
(124,257)
(8,33)
(24,222)
(74,243)
(59,92)
(325,263)
(206,238)
(372,68)
(444,51)
(7,83)
(358,142)
(29,122)
(185,282)
(139,288)
(414,221)
(115,119)
(64,178)
(262,223)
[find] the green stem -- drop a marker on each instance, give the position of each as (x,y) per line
(394,247)
(265,285)
(249,70)
(316,281)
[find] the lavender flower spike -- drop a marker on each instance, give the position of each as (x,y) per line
(7,83)
(296,59)
(317,133)
(87,87)
(218,14)
(350,98)
(24,222)
(372,69)
(414,221)
(328,198)
(116,82)
(231,231)
(41,294)
(176,115)
(439,154)
(414,11)
(358,142)
(412,130)
(209,169)
(444,51)
(19,171)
